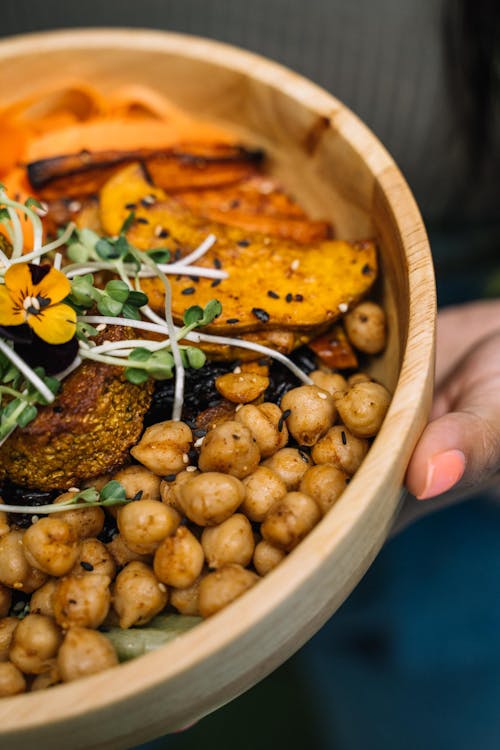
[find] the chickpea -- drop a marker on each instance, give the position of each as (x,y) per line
(179,559)
(332,382)
(266,557)
(312,413)
(95,557)
(15,570)
(122,554)
(7,628)
(82,601)
(290,465)
(325,484)
(85,522)
(263,488)
(170,490)
(41,602)
(138,595)
(4,522)
(230,542)
(365,327)
(35,644)
(164,447)
(186,601)
(84,652)
(5,600)
(46,679)
(12,681)
(358,377)
(242,387)
(363,408)
(210,498)
(290,520)
(138,479)
(340,448)
(51,545)
(265,424)
(230,448)
(145,523)
(222,587)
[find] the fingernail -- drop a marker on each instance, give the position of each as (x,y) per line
(444,470)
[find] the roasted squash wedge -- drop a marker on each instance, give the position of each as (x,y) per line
(272,284)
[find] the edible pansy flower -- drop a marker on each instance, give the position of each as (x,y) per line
(33,295)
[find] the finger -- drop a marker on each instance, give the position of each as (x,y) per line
(461,445)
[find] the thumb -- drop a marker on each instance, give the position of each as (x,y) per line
(462,442)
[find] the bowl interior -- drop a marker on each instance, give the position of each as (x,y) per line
(338,171)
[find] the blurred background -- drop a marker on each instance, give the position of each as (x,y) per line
(412,659)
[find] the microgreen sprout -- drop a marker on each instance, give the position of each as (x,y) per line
(113,493)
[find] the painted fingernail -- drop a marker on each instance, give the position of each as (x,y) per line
(444,470)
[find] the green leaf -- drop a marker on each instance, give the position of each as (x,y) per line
(53,384)
(131,312)
(85,330)
(82,290)
(140,354)
(135,376)
(117,290)
(195,357)
(113,492)
(108,306)
(159,254)
(33,203)
(212,310)
(138,299)
(78,253)
(27,415)
(90,495)
(193,314)
(106,250)
(10,408)
(127,223)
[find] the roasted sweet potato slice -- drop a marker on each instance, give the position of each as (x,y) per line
(272,284)
(334,349)
(84,173)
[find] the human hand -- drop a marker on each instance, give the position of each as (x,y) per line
(460,447)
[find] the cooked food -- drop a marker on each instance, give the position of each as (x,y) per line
(159,453)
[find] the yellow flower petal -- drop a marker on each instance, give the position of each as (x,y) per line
(18,282)
(55,325)
(8,315)
(54,286)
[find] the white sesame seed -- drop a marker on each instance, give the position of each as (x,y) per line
(34,519)
(191,468)
(158,230)
(101,327)
(74,205)
(185,458)
(295,264)
(74,489)
(162,587)
(322,395)
(343,307)
(198,444)
(239,407)
(237,370)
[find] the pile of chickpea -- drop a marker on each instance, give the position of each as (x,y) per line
(197,536)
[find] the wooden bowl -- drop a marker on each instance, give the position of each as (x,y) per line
(339,171)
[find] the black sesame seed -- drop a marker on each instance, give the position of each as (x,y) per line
(344,438)
(231,321)
(57,409)
(195,279)
(234,204)
(142,220)
(130,206)
(163,233)
(281,420)
(138,495)
(304,456)
(199,432)
(177,253)
(260,314)
(216,282)
(189,290)
(87,566)
(367,270)
(273,295)
(170,477)
(263,361)
(289,297)
(244,243)
(299,297)
(217,263)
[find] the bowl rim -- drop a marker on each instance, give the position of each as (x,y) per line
(335,530)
